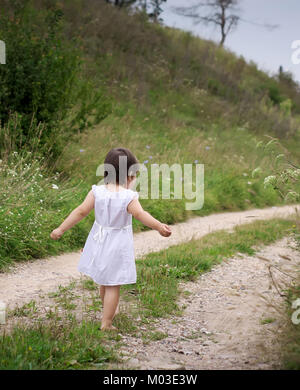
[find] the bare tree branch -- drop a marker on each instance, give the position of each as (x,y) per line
(268,26)
(223,13)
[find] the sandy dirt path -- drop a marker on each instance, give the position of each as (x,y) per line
(26,281)
(234,317)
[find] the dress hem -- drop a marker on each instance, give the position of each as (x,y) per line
(107,284)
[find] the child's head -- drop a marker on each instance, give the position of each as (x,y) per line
(113,158)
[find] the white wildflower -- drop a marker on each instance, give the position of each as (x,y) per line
(294,173)
(256,172)
(291,196)
(270,181)
(279,156)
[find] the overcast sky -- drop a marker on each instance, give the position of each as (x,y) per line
(268,49)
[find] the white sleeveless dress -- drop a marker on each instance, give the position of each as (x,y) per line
(108,254)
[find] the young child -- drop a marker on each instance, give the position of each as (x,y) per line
(108,254)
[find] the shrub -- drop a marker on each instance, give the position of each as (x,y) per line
(41,68)
(43,79)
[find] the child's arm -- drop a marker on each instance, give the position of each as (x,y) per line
(75,216)
(136,209)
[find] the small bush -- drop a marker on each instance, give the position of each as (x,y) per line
(41,68)
(43,80)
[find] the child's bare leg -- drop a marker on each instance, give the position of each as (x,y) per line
(102,294)
(117,310)
(111,301)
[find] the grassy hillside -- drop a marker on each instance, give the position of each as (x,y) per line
(166,95)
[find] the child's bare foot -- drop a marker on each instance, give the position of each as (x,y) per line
(108,327)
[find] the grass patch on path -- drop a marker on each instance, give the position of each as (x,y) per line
(55,346)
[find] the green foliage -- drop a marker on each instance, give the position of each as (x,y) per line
(215,87)
(43,79)
(32,204)
(274,93)
(41,68)
(94,102)
(230,190)
(54,346)
(285,175)
(291,349)
(286,107)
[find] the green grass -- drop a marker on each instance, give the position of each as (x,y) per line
(26,310)
(55,346)
(31,207)
(265,321)
(153,336)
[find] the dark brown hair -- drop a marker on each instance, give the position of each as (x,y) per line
(112,158)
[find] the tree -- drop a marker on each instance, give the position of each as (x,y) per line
(152,8)
(156,9)
(222,13)
(144,5)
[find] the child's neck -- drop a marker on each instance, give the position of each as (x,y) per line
(115,187)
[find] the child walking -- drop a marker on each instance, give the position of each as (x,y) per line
(108,254)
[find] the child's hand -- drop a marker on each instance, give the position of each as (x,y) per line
(56,234)
(164,230)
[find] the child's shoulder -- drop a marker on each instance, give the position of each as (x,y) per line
(97,188)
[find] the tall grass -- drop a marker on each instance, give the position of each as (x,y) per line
(291,356)
(33,201)
(55,346)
